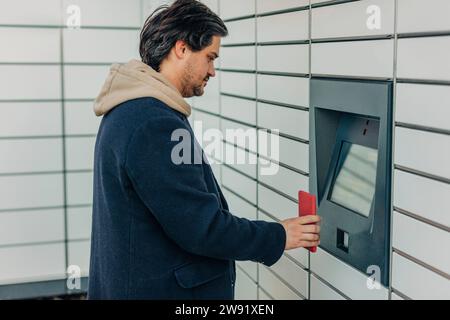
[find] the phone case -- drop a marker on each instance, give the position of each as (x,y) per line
(307,206)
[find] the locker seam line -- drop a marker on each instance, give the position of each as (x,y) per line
(421,263)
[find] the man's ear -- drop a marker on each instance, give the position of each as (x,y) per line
(181,49)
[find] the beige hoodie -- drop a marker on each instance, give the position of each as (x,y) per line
(136,79)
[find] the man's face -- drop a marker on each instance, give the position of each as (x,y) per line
(199,67)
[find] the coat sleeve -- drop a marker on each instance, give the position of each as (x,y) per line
(176,194)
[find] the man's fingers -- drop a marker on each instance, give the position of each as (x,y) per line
(302,232)
(309,244)
(308,219)
(310,228)
(310,237)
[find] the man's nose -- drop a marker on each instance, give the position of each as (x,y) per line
(212,71)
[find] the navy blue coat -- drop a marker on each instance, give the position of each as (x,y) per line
(162,230)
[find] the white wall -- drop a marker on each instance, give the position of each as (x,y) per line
(49,76)
(273,49)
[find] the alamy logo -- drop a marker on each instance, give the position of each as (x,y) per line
(73,277)
(211,141)
(373,22)
(74,19)
(374,278)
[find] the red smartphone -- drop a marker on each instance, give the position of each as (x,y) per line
(307,206)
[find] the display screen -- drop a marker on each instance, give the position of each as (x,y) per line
(355,178)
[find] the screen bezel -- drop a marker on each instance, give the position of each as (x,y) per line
(349,130)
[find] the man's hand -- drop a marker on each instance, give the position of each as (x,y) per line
(300,233)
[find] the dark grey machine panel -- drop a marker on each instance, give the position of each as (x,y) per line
(350,169)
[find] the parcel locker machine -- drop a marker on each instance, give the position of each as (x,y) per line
(350,169)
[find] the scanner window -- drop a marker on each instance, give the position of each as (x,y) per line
(354,185)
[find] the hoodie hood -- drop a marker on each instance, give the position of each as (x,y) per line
(133,80)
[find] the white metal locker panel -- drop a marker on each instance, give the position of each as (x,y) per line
(250,267)
(294,153)
(274,286)
(40,82)
(263,295)
(80,118)
(290,90)
(415,238)
(241,84)
(351,282)
(300,255)
(424,58)
(104,45)
(236,8)
(423,104)
(416,282)
(292,26)
(213,161)
(240,31)
(84,82)
(31,226)
(424,151)
(267,167)
(239,183)
(286,181)
(206,121)
(293,58)
(245,288)
(114,13)
(30,12)
(417,16)
(240,134)
(290,121)
(321,291)
(210,99)
(291,152)
(209,157)
(353,19)
(32,263)
(278,206)
(30,118)
(372,58)
(212,157)
(79,188)
(191,101)
(293,274)
(238,58)
(79,221)
(80,153)
(212,4)
(191,118)
(241,160)
(149,6)
(396,297)
(31,155)
(42,190)
(264,6)
(79,255)
(30,45)
(433,203)
(239,207)
(239,109)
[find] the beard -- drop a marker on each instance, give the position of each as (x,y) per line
(191,89)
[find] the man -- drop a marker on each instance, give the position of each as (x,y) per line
(162,229)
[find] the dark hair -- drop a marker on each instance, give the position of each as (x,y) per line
(187,20)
